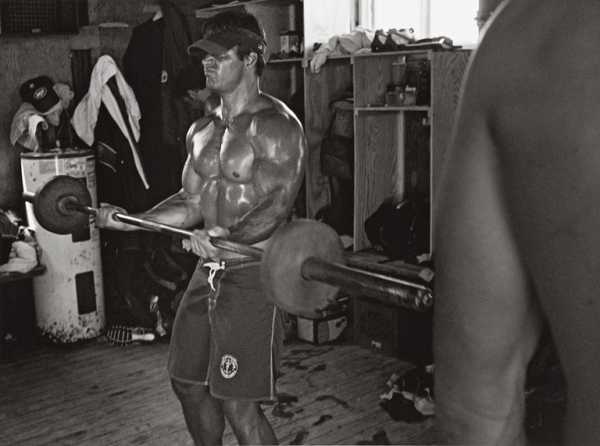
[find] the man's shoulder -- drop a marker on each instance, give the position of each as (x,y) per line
(269,102)
(200,123)
(275,116)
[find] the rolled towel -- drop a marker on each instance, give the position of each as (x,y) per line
(22,258)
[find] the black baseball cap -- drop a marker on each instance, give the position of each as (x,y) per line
(222,41)
(40,93)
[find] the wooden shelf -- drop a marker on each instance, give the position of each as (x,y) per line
(392,53)
(395,149)
(408,52)
(287,60)
(210,10)
(340,56)
(393,108)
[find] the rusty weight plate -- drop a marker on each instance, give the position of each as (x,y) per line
(49,209)
(282,263)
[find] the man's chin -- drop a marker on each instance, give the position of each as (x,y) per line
(214,89)
(211,85)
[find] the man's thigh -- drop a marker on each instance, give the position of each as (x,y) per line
(246,334)
(189,349)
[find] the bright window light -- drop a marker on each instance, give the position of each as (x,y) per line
(429,18)
(454,19)
(397,14)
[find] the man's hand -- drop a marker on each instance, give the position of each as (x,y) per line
(104,218)
(200,244)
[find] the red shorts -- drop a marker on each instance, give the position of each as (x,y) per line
(228,338)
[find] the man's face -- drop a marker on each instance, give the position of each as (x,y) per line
(224,72)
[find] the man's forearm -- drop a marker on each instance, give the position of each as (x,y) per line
(261,221)
(181,210)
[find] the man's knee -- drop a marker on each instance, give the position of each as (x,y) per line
(244,416)
(188,392)
(241,409)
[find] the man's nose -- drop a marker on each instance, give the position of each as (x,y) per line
(208,60)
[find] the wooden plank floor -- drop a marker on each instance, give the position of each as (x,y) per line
(99,394)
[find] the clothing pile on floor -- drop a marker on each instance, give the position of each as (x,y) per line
(410,395)
(19,251)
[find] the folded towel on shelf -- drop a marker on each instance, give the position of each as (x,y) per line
(354,42)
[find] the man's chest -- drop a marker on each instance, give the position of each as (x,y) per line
(220,151)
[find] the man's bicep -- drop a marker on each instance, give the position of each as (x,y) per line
(475,251)
(282,164)
(191,181)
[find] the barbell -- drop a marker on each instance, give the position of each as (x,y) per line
(302,266)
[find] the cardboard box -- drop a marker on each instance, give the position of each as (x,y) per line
(323,330)
(394,331)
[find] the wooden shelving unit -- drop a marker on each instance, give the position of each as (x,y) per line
(400,147)
(392,108)
(333,82)
(383,134)
(211,10)
(291,60)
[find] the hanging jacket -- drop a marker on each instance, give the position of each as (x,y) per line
(154,57)
(107,118)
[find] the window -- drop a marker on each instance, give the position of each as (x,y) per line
(455,19)
(325,19)
(42,16)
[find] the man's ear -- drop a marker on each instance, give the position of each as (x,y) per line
(251,59)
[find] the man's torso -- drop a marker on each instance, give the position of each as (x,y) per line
(226,157)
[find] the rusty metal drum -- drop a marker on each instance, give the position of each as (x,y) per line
(69,298)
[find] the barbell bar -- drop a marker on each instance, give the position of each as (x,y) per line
(302,267)
(71,204)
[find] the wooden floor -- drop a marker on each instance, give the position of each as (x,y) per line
(99,394)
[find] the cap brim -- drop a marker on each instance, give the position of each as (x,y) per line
(207,46)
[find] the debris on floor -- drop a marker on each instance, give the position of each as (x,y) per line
(410,395)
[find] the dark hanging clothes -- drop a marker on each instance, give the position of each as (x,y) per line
(118,180)
(156,53)
(119,183)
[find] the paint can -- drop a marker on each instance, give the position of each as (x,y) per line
(69,298)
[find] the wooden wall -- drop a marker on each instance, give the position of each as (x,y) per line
(30,56)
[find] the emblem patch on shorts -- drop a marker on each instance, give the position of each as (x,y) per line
(229,366)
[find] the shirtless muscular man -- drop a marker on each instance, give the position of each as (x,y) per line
(517,236)
(244,168)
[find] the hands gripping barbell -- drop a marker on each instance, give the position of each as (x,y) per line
(302,267)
